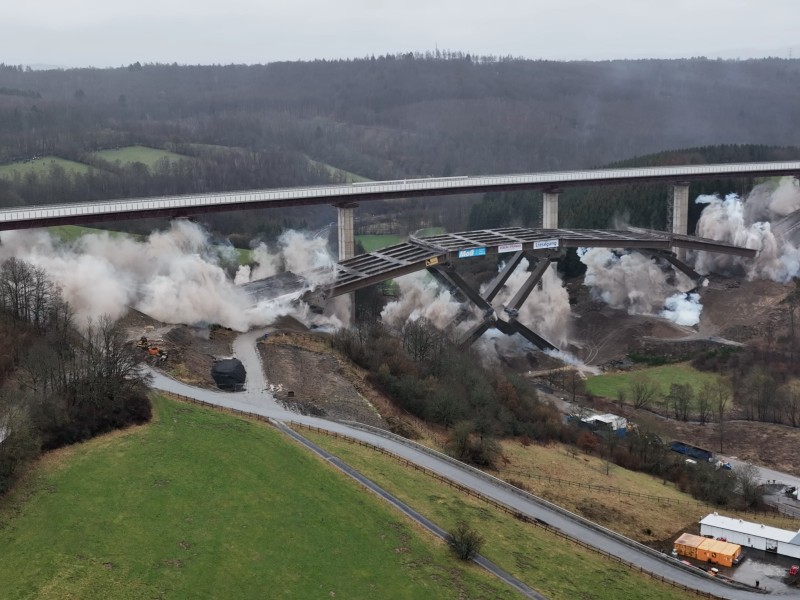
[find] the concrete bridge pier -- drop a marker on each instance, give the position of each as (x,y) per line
(347,236)
(550,209)
(680,213)
(347,248)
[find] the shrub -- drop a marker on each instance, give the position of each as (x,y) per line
(465,541)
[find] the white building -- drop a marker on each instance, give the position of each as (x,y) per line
(752,535)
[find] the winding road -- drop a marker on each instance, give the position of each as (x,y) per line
(256,399)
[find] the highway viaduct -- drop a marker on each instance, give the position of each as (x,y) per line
(347,196)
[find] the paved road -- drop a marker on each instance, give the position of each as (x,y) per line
(410,512)
(779,500)
(256,400)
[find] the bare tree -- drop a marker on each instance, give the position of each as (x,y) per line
(720,399)
(759,392)
(747,478)
(643,391)
(704,403)
(680,398)
(575,383)
(789,398)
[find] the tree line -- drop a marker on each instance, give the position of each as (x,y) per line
(69,383)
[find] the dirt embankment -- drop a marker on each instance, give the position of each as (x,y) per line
(311,377)
(190,351)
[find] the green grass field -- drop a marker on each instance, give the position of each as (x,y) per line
(608,385)
(376,242)
(142,154)
(553,566)
(346,176)
(200,504)
(429,231)
(70,233)
(40,167)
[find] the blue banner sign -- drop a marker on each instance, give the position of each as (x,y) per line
(472,252)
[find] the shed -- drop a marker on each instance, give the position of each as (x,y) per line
(708,550)
(752,535)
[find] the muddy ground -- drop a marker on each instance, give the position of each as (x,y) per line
(311,377)
(190,351)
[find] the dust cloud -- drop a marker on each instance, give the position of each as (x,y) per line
(421,297)
(753,222)
(546,310)
(640,285)
(175,276)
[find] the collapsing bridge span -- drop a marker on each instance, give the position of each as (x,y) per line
(441,253)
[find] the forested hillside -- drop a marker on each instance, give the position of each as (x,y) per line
(406,115)
(641,205)
(239,126)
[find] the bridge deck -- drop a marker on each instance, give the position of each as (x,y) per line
(420,253)
(183,206)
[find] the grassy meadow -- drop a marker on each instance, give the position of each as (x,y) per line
(376,242)
(142,154)
(200,504)
(40,167)
(553,566)
(609,384)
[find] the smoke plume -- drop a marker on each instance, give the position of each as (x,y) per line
(175,276)
(421,298)
(638,284)
(751,223)
(547,309)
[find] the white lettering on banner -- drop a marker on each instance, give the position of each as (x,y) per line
(503,248)
(472,252)
(545,244)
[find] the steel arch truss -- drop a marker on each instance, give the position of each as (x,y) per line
(441,253)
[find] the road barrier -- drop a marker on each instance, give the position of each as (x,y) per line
(504,508)
(477,495)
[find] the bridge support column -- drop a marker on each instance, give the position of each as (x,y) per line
(347,237)
(680,213)
(550,209)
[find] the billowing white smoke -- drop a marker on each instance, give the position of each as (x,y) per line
(174,276)
(421,297)
(547,309)
(296,252)
(683,309)
(637,284)
(736,221)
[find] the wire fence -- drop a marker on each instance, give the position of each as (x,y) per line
(520,516)
(632,494)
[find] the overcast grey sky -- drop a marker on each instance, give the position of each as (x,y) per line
(112,32)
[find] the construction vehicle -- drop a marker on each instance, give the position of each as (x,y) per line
(157,353)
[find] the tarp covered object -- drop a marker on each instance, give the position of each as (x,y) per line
(229,374)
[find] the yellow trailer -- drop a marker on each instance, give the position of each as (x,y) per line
(708,550)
